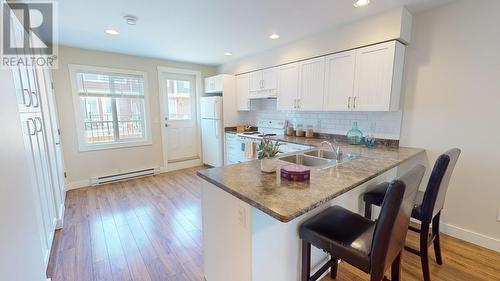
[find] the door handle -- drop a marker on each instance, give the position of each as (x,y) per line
(166,125)
(354,103)
(349,102)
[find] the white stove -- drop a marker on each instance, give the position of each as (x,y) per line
(266,128)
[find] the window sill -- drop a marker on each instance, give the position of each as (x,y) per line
(108,146)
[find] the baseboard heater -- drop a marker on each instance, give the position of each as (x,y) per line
(124,176)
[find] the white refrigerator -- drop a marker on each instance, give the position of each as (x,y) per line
(212,132)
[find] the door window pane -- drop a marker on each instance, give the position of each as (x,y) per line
(179,99)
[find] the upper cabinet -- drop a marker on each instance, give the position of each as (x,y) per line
(364,79)
(214,84)
(339,81)
(243,92)
(264,83)
(379,72)
(288,87)
(311,84)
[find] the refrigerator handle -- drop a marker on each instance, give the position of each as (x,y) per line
(215,128)
(216,113)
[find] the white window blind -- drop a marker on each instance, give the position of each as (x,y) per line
(112,107)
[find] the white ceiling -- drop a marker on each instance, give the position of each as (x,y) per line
(201,31)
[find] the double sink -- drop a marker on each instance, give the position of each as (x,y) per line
(315,158)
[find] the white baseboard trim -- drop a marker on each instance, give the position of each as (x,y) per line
(60,221)
(181,165)
(471,236)
(77,184)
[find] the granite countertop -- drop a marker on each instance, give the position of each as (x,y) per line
(286,200)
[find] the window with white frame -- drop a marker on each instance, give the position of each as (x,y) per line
(111,105)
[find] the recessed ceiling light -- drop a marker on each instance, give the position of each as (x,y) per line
(274,36)
(361,3)
(111,31)
(228,54)
(130,20)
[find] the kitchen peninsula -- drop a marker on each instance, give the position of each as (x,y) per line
(251,219)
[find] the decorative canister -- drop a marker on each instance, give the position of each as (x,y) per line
(294,172)
(354,136)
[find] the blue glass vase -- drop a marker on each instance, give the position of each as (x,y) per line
(354,136)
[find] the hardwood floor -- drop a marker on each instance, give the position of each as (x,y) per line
(150,229)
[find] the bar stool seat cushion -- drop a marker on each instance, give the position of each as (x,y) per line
(376,197)
(342,233)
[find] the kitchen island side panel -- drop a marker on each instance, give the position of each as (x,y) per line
(245,244)
(227,236)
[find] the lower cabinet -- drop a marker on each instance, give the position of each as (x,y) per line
(34,141)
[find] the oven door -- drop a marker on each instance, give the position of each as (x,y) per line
(248,149)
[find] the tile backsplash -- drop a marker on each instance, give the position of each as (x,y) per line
(385,125)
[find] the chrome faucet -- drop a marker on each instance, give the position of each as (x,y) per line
(332,147)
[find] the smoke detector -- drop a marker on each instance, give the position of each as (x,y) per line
(130,20)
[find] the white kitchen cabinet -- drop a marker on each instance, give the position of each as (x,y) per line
(263,83)
(288,87)
(339,81)
(243,92)
(214,84)
(311,84)
(378,77)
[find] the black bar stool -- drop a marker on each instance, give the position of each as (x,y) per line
(371,246)
(427,207)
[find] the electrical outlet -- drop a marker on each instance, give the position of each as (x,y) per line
(498,215)
(242,216)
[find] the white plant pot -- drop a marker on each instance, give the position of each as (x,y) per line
(268,165)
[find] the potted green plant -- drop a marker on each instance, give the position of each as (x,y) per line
(266,151)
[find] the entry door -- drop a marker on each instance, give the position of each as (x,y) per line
(181,129)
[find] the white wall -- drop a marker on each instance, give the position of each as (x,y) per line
(453,99)
(394,24)
(81,166)
(21,255)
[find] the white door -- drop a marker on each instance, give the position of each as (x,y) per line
(242,92)
(288,87)
(339,81)
(373,79)
(256,81)
(311,84)
(180,122)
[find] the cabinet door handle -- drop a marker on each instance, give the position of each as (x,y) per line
(354,103)
(29,127)
(349,102)
(30,98)
(34,94)
(294,103)
(38,129)
(298,103)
